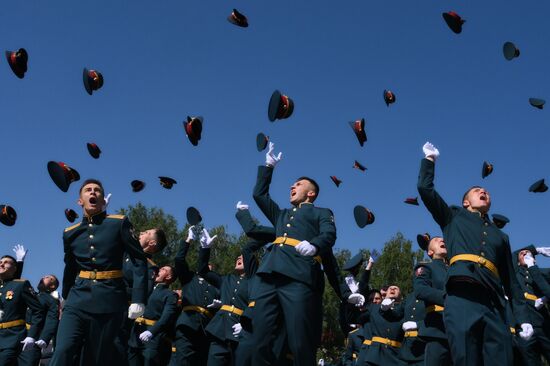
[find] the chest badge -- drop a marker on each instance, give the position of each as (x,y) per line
(9,295)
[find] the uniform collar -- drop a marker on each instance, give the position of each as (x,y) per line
(95,219)
(305,204)
(161,285)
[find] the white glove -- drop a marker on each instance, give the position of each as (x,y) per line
(216,304)
(145,336)
(430,151)
(242,206)
(545,251)
(191,234)
(305,248)
(55,294)
(526,331)
(270,158)
(321,362)
(386,304)
(41,343)
(135,310)
(237,329)
(356,299)
(409,326)
(539,303)
(20,252)
(206,240)
(106,199)
(28,343)
(529,260)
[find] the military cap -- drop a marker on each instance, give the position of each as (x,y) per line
(137,185)
(357,165)
(238,19)
(261,141)
(358,128)
(354,261)
(530,248)
(193,129)
(411,201)
(537,103)
(280,106)
(93,80)
(363,216)
(486,169)
(336,180)
(193,216)
(389,97)
(18,62)
(94,150)
(8,216)
(538,187)
(70,214)
(167,182)
(423,240)
(62,175)
(454,21)
(510,51)
(500,220)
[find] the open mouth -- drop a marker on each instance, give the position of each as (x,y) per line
(93,200)
(483,197)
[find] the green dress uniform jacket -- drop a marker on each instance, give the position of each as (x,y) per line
(304,222)
(412,349)
(98,243)
(353,347)
(129,268)
(15,297)
(429,287)
(481,238)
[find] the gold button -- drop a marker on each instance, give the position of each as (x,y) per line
(92,248)
(486,224)
(285,234)
(235,290)
(94,280)
(90,225)
(291,217)
(287,225)
(91,236)
(484,233)
(482,254)
(281,244)
(483,242)
(93,259)
(294,209)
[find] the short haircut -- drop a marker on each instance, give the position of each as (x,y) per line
(468,191)
(90,181)
(173,271)
(160,236)
(312,181)
(10,257)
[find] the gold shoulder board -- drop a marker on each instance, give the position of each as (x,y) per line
(72,227)
(120,217)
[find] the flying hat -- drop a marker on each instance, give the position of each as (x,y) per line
(94,150)
(354,261)
(500,220)
(537,103)
(71,215)
(389,97)
(261,141)
(167,182)
(8,216)
(357,165)
(538,187)
(423,240)
(62,175)
(358,128)
(454,21)
(193,129)
(510,51)
(363,216)
(486,169)
(193,216)
(411,201)
(280,106)
(18,62)
(93,80)
(336,180)
(137,185)
(238,19)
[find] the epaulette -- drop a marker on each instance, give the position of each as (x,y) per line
(19,280)
(119,217)
(72,227)
(355,330)
(151,262)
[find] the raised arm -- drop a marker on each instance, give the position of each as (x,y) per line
(423,289)
(261,190)
(439,209)
(20,254)
(364,287)
(204,271)
(183,272)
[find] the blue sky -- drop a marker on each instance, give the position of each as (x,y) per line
(165,60)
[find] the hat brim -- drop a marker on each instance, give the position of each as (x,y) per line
(537,103)
(70,215)
(10,217)
(137,185)
(500,221)
(353,262)
(274,105)
(86,80)
(58,176)
(510,51)
(16,70)
(486,170)
(453,23)
(538,187)
(363,217)
(193,216)
(242,24)
(261,142)
(422,242)
(361,135)
(94,151)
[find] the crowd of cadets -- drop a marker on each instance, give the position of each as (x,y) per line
(474,302)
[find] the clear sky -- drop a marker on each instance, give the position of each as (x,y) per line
(164,60)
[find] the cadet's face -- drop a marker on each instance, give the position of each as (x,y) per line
(478,199)
(437,248)
(49,282)
(146,237)
(164,274)
(7,268)
(377,299)
(300,191)
(239,264)
(521,256)
(393,292)
(91,199)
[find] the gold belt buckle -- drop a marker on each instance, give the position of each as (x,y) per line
(232,308)
(93,275)
(482,261)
